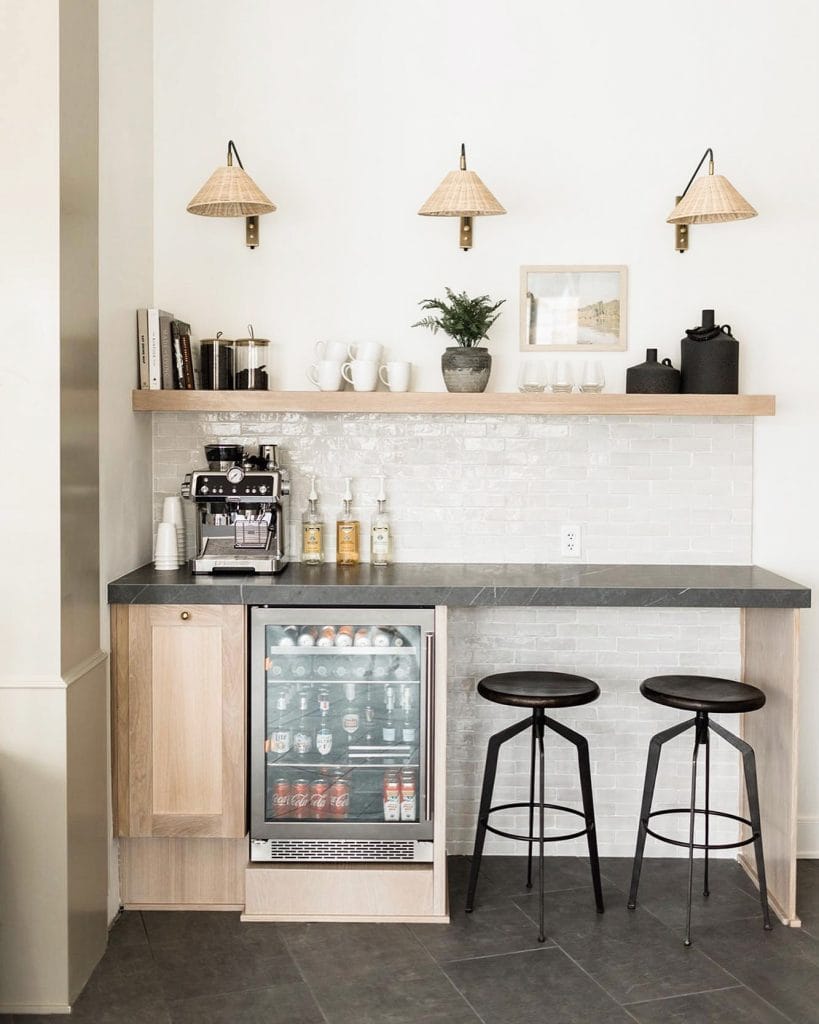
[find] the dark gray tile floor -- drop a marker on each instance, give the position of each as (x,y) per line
(209,968)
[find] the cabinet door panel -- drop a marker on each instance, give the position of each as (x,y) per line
(185,715)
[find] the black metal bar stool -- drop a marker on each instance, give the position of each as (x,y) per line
(538,691)
(703,695)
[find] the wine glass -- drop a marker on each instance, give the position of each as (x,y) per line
(592,379)
(532,376)
(562,377)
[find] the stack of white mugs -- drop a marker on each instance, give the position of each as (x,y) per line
(359,365)
(169,552)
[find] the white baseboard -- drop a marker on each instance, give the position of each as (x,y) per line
(807,837)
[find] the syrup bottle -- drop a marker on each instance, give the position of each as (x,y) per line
(312,530)
(348,532)
(380,549)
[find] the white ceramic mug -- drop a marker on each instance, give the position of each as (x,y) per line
(366,351)
(396,375)
(331,350)
(325,375)
(363,374)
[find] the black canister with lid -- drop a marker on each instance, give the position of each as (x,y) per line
(710,359)
(652,377)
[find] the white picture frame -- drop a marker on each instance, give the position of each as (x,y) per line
(573,308)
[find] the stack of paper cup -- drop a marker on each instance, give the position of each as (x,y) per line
(172,513)
(166,553)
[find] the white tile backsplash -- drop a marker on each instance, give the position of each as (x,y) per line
(498,489)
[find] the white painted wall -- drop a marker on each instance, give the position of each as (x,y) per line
(126,281)
(585,119)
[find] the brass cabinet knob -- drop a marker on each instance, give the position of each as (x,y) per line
(185,616)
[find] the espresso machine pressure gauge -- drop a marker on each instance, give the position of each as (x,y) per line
(235,475)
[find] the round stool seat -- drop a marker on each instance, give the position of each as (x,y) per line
(538,689)
(702,693)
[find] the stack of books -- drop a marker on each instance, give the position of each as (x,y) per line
(164,351)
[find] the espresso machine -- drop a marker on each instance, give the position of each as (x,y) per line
(240,510)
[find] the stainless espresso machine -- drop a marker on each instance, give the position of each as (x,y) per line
(240,510)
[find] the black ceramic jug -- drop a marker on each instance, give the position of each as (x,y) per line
(710,359)
(652,378)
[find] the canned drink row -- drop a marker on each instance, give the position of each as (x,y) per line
(325,798)
(400,795)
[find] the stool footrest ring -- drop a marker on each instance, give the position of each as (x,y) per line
(708,813)
(536,839)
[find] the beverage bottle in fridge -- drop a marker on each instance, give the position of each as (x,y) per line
(409,797)
(408,725)
(324,736)
(299,667)
(290,635)
(350,717)
(368,737)
(303,733)
(388,727)
(281,737)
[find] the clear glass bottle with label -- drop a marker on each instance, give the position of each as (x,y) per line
(312,530)
(380,533)
(348,532)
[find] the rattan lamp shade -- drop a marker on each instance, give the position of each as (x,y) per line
(230,192)
(461,194)
(711,199)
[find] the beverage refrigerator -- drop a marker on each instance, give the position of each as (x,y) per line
(342,734)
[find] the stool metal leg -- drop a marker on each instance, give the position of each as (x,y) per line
(705,889)
(701,728)
(531,802)
(584,767)
(538,725)
(749,768)
(492,751)
(654,748)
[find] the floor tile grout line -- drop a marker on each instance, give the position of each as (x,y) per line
(728,988)
(301,974)
(449,980)
(594,981)
(550,944)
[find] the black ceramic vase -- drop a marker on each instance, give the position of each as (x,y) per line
(466,369)
(652,378)
(710,359)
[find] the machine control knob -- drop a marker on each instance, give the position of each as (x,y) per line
(204,489)
(262,489)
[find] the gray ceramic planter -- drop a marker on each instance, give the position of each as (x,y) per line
(466,369)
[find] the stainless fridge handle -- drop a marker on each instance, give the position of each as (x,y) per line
(429,650)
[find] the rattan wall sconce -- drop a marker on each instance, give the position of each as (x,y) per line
(711,199)
(462,194)
(231,192)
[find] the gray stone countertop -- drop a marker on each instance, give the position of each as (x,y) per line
(472,585)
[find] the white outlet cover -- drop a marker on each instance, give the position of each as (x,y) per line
(570,541)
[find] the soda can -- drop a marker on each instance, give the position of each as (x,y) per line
(280,799)
(409,796)
(339,798)
(300,798)
(319,798)
(392,796)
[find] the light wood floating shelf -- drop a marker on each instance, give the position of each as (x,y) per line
(442,402)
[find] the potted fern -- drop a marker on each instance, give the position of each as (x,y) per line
(465,365)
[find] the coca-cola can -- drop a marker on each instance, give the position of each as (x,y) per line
(280,800)
(319,798)
(339,798)
(300,798)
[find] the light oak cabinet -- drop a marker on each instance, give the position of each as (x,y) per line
(178,720)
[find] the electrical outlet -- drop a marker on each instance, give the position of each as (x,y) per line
(570,541)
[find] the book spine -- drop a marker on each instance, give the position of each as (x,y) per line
(142,347)
(187,364)
(154,360)
(166,353)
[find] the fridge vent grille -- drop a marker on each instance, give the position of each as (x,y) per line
(338,849)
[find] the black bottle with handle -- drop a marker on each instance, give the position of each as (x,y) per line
(710,359)
(652,377)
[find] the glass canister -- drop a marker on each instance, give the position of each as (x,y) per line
(216,363)
(252,355)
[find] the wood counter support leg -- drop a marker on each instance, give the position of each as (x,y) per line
(770,658)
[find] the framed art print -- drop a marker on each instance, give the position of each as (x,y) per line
(573,309)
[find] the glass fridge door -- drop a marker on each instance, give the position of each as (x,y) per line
(339,723)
